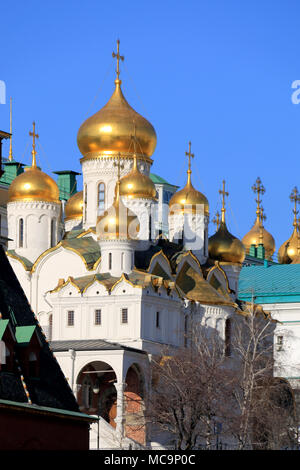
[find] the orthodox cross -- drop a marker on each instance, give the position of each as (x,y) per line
(295,198)
(119,165)
(118,57)
(34,135)
(190,155)
(216,220)
(259,189)
(224,193)
(10,156)
(262,218)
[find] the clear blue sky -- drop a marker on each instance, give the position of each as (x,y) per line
(218,73)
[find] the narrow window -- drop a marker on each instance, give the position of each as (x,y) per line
(109,261)
(85,201)
(279,343)
(21,233)
(98,317)
(157,320)
(71,318)
(124,316)
(101,197)
(122,261)
(50,327)
(227,338)
(53,232)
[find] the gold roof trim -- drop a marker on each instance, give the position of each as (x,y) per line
(160,252)
(27,268)
(219,268)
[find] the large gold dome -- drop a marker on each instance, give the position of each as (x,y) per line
(137,185)
(117,222)
(188,198)
(253,238)
(33,185)
(109,130)
(223,246)
(288,252)
(74,206)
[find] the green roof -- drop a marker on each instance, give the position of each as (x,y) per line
(3,325)
(24,333)
(28,264)
(159,180)
(278,283)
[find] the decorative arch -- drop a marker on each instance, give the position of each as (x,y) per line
(135,426)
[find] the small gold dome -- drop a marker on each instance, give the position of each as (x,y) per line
(187,199)
(118,221)
(223,246)
(109,130)
(288,251)
(253,238)
(137,185)
(74,206)
(33,185)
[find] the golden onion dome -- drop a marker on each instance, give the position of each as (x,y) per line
(254,237)
(137,185)
(289,250)
(74,206)
(117,222)
(109,130)
(223,246)
(33,185)
(187,199)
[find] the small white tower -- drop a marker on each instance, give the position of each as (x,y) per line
(33,210)
(189,217)
(117,231)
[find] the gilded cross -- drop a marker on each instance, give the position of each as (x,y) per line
(216,220)
(119,165)
(262,218)
(295,198)
(34,136)
(259,189)
(119,57)
(224,193)
(190,155)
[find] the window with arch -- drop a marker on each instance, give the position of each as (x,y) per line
(21,233)
(101,197)
(53,233)
(122,261)
(85,201)
(50,326)
(109,261)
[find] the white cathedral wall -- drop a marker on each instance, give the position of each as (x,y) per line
(103,170)
(37,218)
(73,224)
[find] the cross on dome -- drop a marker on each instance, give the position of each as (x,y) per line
(34,136)
(118,57)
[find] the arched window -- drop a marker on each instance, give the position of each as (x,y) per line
(101,197)
(122,261)
(109,261)
(50,327)
(85,201)
(228,337)
(53,232)
(21,233)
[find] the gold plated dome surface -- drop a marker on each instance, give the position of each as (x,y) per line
(188,198)
(33,185)
(223,246)
(288,252)
(117,222)
(137,185)
(74,206)
(253,238)
(109,130)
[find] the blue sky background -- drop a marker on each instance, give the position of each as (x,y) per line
(216,72)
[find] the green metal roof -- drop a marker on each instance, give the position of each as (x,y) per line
(24,333)
(278,283)
(159,180)
(3,325)
(28,264)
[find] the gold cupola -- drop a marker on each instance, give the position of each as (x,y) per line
(258,235)
(223,246)
(33,184)
(187,199)
(290,250)
(74,206)
(108,132)
(117,222)
(136,184)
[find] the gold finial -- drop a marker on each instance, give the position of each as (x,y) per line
(10,156)
(118,56)
(262,218)
(295,198)
(216,220)
(224,193)
(190,155)
(33,152)
(259,189)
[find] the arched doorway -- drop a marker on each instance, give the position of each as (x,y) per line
(134,405)
(96,393)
